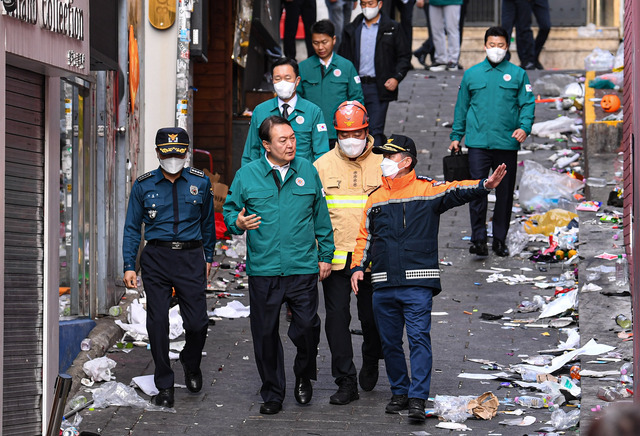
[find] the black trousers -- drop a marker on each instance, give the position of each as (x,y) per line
(481,161)
(295,9)
(186,271)
(266,295)
(337,297)
(518,13)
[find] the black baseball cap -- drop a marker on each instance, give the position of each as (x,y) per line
(397,144)
(172,140)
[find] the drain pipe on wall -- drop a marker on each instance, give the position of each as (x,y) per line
(185,7)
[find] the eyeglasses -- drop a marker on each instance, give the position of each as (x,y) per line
(369,4)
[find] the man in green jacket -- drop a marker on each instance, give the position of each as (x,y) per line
(328,79)
(278,199)
(305,117)
(495,110)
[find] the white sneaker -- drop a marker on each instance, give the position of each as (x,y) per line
(438,67)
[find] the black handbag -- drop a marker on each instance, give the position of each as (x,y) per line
(456,166)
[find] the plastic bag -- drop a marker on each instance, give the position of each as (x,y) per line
(562,421)
(546,224)
(533,305)
(573,339)
(618,63)
(573,90)
(136,313)
(542,189)
(561,304)
(616,78)
(555,126)
(552,85)
(99,369)
(517,240)
(452,408)
(589,31)
(118,394)
(599,60)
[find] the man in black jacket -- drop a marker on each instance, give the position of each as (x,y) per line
(381,53)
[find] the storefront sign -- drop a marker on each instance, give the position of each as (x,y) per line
(58,16)
(57,35)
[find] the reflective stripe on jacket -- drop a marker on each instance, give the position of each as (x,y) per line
(347,184)
(399,229)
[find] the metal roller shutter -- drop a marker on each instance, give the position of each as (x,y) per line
(24,255)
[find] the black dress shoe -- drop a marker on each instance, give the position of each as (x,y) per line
(271,408)
(538,65)
(303,390)
(479,248)
(368,376)
(347,392)
(416,409)
(529,66)
(164,397)
(193,379)
(500,248)
(422,57)
(397,403)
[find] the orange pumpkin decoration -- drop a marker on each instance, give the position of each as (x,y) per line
(610,103)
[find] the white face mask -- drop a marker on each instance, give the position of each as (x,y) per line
(173,165)
(352,147)
(495,54)
(389,168)
(285,89)
(370,13)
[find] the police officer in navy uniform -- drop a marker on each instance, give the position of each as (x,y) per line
(175,205)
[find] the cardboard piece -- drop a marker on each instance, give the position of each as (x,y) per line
(485,406)
(219,190)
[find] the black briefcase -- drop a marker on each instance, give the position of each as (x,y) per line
(456,166)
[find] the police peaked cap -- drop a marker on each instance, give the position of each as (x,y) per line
(172,140)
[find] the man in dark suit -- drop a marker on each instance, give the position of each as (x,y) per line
(381,69)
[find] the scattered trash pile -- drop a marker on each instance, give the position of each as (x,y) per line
(546,232)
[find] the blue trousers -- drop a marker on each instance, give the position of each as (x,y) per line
(394,308)
(377,111)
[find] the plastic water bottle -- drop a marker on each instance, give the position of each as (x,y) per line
(623,321)
(626,373)
(608,394)
(529,401)
(622,271)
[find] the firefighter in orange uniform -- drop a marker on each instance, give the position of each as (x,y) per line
(398,237)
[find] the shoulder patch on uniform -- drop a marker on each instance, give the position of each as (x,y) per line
(374,190)
(428,179)
(144,176)
(196,172)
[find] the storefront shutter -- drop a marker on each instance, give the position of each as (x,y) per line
(24,256)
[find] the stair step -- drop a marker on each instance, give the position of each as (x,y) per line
(564,49)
